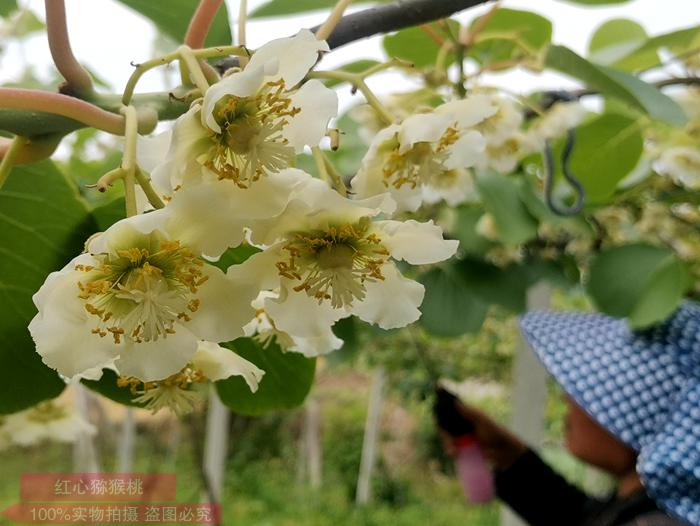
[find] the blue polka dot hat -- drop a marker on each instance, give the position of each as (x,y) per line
(643,387)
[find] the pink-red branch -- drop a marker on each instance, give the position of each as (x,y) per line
(201,22)
(77,78)
(57,104)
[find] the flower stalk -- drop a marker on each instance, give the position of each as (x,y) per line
(141,69)
(329,25)
(8,160)
(151,194)
(358,82)
(194,69)
(242,22)
(128,164)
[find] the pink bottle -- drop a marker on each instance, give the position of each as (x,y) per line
(472,470)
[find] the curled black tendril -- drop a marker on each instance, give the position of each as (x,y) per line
(570,178)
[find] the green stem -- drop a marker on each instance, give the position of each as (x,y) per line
(358,82)
(242,23)
(335,175)
(151,194)
(329,25)
(193,68)
(129,159)
(141,69)
(320,164)
(8,160)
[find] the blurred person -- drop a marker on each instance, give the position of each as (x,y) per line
(633,411)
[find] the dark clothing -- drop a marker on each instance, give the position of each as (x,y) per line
(544,498)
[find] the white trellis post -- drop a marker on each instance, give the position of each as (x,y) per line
(312,442)
(369,443)
(127,438)
(84,452)
(216,444)
(529,390)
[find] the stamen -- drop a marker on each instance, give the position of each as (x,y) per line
(334,264)
(143,291)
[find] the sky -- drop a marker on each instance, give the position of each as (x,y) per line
(106,36)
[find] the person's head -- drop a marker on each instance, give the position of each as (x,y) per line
(587,440)
(635,397)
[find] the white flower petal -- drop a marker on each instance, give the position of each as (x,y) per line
(239,84)
(295,56)
(69,428)
(62,330)
(299,315)
(391,303)
(369,180)
(189,140)
(259,269)
(200,216)
(317,346)
(470,111)
(151,151)
(467,151)
(156,360)
(225,306)
(417,243)
(23,431)
(422,127)
(125,232)
(318,106)
(219,363)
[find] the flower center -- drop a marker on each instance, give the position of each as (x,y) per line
(143,291)
(251,143)
(415,166)
(176,392)
(334,264)
(46,412)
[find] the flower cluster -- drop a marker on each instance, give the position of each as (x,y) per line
(42,422)
(145,298)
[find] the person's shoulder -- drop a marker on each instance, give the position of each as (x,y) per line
(655,518)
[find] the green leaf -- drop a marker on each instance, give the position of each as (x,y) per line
(43,225)
(23,24)
(450,308)
(616,83)
(615,39)
(510,34)
(235,256)
(416,46)
(666,289)
(108,214)
(464,230)
(494,285)
(646,55)
(606,150)
(500,196)
(352,149)
(173,17)
(642,282)
(287,7)
(287,381)
(107,386)
(7,7)
(347,329)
